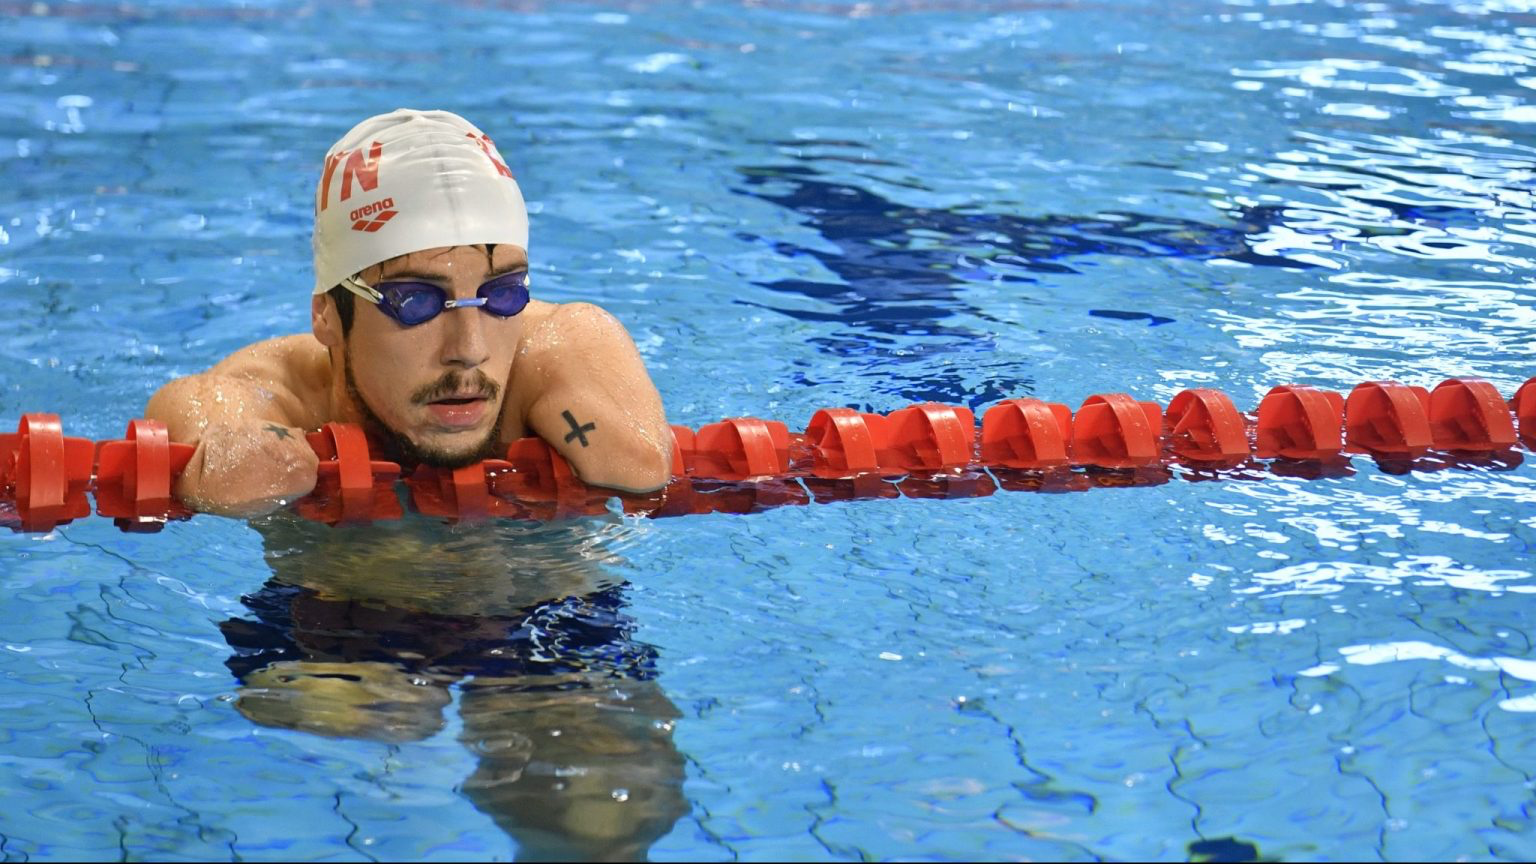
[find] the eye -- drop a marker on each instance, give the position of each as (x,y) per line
(414,302)
(507,281)
(506,295)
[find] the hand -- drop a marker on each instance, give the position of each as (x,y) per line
(370,700)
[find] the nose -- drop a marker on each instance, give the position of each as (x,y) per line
(464,340)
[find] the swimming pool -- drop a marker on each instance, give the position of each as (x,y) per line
(795,205)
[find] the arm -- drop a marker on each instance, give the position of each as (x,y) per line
(594,402)
(250,458)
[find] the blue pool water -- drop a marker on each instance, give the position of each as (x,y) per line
(795,204)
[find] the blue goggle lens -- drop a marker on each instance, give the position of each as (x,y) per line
(413,303)
(505,296)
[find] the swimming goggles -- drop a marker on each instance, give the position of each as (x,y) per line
(412,303)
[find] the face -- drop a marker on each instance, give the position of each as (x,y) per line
(433,391)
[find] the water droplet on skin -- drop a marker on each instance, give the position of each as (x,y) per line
(621,795)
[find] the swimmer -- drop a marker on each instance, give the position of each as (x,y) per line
(424,333)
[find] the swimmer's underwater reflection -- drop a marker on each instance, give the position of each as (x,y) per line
(361,631)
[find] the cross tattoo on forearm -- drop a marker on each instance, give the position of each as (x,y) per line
(578,431)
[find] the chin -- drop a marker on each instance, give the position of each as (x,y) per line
(451,450)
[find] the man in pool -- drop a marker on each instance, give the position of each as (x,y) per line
(423,332)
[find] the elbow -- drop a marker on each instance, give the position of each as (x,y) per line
(656,473)
(643,467)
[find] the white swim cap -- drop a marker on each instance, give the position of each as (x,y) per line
(411,180)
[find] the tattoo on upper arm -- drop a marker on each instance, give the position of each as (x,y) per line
(578,430)
(279,431)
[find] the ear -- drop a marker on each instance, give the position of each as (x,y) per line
(325,320)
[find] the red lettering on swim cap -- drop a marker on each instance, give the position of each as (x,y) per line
(366,172)
(486,144)
(323,194)
(370,209)
(384,207)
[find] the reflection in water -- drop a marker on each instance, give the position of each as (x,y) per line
(361,631)
(1420,198)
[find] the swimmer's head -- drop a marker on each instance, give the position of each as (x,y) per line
(410,180)
(419,197)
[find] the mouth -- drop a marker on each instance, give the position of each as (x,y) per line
(459,411)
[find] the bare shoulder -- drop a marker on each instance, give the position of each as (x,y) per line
(288,376)
(567,347)
(296,361)
(559,331)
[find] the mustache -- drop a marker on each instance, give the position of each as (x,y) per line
(476,383)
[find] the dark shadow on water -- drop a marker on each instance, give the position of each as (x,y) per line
(363,632)
(1223,849)
(903,272)
(1118,315)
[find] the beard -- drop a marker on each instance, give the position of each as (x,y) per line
(400,448)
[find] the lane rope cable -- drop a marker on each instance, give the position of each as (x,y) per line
(743,464)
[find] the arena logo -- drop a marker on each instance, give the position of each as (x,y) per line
(381,212)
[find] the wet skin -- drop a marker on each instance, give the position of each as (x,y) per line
(449,391)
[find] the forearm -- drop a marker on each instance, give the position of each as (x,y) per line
(235,471)
(248,460)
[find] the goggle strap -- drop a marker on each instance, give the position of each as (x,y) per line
(362,289)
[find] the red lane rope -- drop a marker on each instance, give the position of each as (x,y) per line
(745,463)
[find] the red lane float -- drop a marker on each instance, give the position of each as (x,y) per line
(1112,430)
(45,474)
(1468,414)
(844,442)
(350,486)
(1524,406)
(1385,418)
(743,464)
(134,477)
(1027,434)
(542,481)
(840,455)
(738,448)
(1300,423)
(462,493)
(1204,426)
